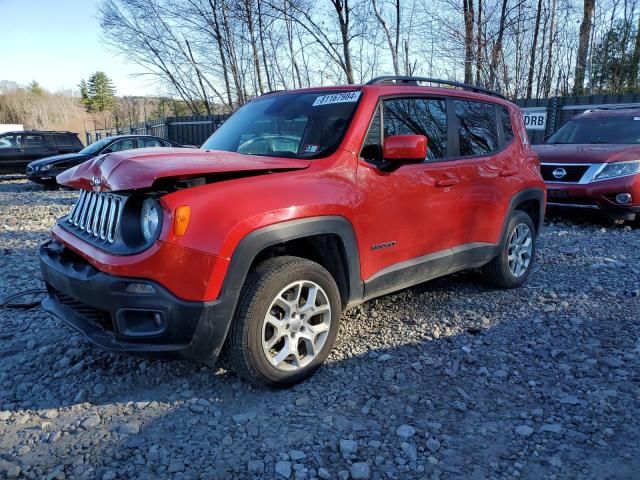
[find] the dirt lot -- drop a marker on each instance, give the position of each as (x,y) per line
(450,379)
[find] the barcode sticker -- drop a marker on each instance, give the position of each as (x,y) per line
(346,97)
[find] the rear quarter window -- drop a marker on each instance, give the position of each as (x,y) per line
(477,128)
(507,127)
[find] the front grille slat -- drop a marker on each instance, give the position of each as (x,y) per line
(97,215)
(573,172)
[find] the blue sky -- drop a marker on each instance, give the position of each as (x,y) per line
(57,43)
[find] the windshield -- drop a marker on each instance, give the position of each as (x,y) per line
(295,125)
(621,130)
(96,146)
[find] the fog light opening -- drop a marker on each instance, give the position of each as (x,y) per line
(138,322)
(623,198)
(140,288)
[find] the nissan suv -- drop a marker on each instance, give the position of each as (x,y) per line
(592,163)
(301,205)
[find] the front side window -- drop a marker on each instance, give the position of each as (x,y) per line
(477,128)
(418,116)
(625,130)
(296,125)
(11,141)
(409,116)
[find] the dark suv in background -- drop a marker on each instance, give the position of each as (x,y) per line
(45,171)
(592,163)
(17,149)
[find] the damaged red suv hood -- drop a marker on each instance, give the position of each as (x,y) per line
(136,169)
(586,153)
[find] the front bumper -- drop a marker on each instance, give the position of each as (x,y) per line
(105,310)
(46,177)
(597,197)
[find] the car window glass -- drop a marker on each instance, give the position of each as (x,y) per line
(418,116)
(63,140)
(149,142)
(126,144)
(11,141)
(34,141)
(477,128)
(507,128)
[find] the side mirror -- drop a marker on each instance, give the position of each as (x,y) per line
(403,148)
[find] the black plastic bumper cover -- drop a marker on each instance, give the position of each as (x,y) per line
(91,301)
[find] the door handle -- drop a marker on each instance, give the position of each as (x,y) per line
(508,173)
(447,182)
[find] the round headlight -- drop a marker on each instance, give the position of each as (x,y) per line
(150,219)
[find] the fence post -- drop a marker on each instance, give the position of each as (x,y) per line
(552,110)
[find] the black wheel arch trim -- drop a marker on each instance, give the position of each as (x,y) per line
(534,193)
(258,240)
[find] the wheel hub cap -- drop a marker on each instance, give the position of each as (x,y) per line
(520,249)
(296,325)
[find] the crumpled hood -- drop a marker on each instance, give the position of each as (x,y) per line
(136,169)
(586,153)
(80,157)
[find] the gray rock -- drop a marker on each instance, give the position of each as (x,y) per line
(109,475)
(283,469)
(360,471)
(551,428)
(324,473)
(9,469)
(524,430)
(130,428)
(175,467)
(348,447)
(405,431)
(612,362)
(242,418)
(460,406)
(255,466)
(91,422)
(388,374)
(433,445)
(297,455)
(409,450)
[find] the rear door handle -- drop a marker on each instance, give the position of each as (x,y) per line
(447,182)
(508,173)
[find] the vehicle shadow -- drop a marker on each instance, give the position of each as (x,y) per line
(464,365)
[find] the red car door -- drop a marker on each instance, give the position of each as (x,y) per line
(406,214)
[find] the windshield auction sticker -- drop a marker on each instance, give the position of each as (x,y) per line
(345,97)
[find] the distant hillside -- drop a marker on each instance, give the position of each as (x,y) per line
(36,108)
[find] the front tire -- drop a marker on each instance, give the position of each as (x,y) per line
(286,322)
(511,267)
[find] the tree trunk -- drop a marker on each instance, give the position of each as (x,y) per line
(534,47)
(496,51)
(583,46)
(635,60)
(479,44)
(392,48)
(467,7)
(248,10)
(343,12)
(264,53)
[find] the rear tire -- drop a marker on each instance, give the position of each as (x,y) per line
(286,322)
(511,267)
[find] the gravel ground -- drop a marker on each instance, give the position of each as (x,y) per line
(450,379)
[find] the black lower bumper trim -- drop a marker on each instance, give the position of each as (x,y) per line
(95,304)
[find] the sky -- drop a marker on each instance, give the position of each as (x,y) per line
(58,43)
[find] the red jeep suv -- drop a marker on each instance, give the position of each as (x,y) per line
(301,205)
(592,163)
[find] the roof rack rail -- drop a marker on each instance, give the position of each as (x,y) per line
(398,79)
(633,106)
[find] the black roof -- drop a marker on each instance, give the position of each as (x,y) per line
(40,131)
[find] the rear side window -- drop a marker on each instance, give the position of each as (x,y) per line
(507,128)
(418,116)
(62,140)
(11,141)
(149,142)
(121,145)
(477,128)
(34,141)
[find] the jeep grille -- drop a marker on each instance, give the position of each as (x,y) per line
(97,215)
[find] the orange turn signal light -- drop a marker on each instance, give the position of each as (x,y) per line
(181,220)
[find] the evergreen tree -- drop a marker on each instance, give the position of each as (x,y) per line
(35,88)
(98,93)
(102,92)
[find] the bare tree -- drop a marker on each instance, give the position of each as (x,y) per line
(583,46)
